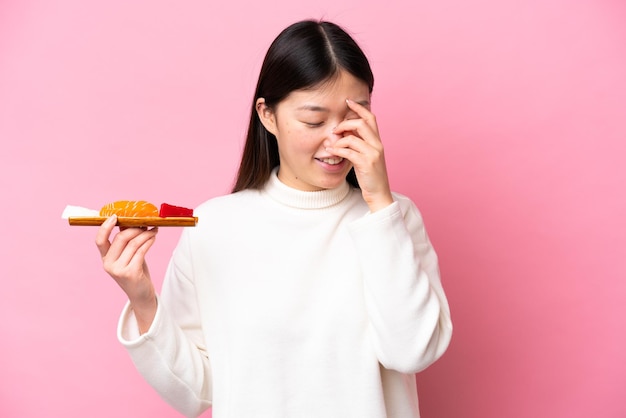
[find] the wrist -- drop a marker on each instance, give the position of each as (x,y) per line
(144,311)
(378,204)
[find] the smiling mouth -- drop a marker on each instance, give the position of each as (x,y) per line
(331,161)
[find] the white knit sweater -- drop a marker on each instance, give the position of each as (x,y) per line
(284,303)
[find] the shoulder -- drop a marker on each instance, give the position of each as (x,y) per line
(221,214)
(228,202)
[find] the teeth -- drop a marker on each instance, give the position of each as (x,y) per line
(332,161)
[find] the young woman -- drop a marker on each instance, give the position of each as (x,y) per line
(310,291)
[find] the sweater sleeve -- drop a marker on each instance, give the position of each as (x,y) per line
(171,355)
(409,316)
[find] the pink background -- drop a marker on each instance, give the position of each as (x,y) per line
(503,120)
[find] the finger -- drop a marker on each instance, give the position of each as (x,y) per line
(353,156)
(359,144)
(104,232)
(127,244)
(363,113)
(360,129)
(139,258)
(120,241)
(363,157)
(136,267)
(350,145)
(360,109)
(357,129)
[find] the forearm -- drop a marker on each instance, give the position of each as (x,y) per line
(408,311)
(170,354)
(169,361)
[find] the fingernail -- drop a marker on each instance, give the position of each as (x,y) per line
(112,220)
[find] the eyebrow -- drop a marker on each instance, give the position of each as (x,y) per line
(313,108)
(316,108)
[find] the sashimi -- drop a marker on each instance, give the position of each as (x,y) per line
(130,208)
(168,210)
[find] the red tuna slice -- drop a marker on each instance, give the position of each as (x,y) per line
(171,211)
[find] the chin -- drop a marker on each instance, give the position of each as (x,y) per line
(332,182)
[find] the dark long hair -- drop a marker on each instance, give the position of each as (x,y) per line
(303,55)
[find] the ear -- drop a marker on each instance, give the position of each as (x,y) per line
(266,115)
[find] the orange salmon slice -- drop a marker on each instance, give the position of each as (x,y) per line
(130,208)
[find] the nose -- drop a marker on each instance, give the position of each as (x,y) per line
(331,137)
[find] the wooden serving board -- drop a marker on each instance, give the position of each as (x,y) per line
(135,221)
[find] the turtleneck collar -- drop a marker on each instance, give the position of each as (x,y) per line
(288,196)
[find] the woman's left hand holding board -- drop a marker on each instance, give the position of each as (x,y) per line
(124,259)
